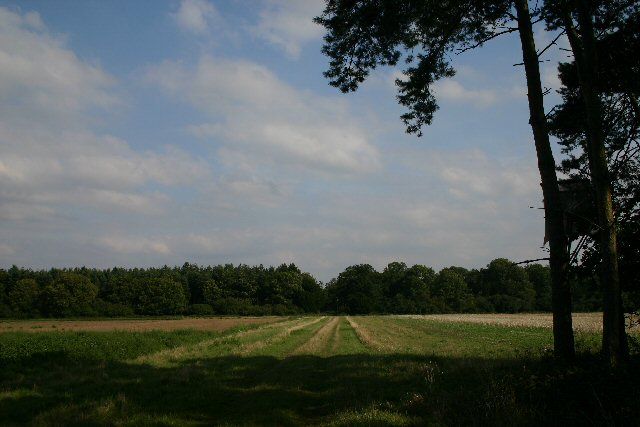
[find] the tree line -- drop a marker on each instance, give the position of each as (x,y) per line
(190,289)
(500,287)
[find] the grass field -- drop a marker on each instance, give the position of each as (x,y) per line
(373,370)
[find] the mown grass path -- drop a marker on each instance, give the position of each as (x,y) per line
(309,370)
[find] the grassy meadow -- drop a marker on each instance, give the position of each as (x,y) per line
(322,370)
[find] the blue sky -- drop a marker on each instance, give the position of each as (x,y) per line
(149,133)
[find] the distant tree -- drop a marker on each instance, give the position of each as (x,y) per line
(393,283)
(23,298)
(122,289)
(588,292)
(311,298)
(70,294)
(407,289)
(195,278)
(451,293)
(540,277)
(417,287)
(507,286)
(355,291)
(211,292)
(161,296)
(280,287)
(5,311)
(244,283)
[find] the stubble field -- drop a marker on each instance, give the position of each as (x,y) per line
(587,322)
(319,370)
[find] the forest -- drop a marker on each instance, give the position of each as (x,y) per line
(501,287)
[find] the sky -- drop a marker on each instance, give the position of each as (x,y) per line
(148,133)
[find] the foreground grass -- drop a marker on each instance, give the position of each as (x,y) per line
(309,371)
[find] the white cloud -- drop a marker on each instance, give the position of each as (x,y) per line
(49,80)
(474,174)
(134,245)
(268,120)
(469,87)
(195,15)
(451,90)
(289,24)
(50,158)
(551,78)
(6,250)
(435,217)
(251,191)
(56,168)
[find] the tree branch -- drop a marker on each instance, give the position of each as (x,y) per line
(552,43)
(486,39)
(531,260)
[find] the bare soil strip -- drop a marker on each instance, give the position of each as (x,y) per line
(320,341)
(365,336)
(588,322)
(133,325)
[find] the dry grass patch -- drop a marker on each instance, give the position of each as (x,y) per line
(365,336)
(257,345)
(195,350)
(133,325)
(586,322)
(321,339)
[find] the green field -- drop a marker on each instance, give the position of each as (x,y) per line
(373,370)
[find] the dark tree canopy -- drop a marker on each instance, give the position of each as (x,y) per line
(618,84)
(422,34)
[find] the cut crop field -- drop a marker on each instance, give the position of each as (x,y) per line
(201,324)
(581,321)
(309,370)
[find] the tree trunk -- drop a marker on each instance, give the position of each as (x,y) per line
(554,216)
(614,339)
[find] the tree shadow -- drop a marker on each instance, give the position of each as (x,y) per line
(359,389)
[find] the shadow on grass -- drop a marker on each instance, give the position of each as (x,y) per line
(301,390)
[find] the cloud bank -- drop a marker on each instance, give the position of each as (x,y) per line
(263,169)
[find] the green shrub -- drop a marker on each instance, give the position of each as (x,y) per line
(201,309)
(110,309)
(283,310)
(5,311)
(238,306)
